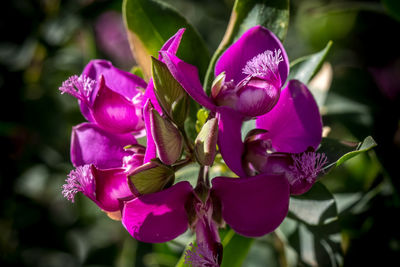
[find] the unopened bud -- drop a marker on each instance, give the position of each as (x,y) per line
(167,138)
(206,142)
(217,84)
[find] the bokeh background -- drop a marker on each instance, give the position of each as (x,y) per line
(43,42)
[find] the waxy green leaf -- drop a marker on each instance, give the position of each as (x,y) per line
(312,227)
(150,24)
(319,245)
(236,248)
(338,152)
(272,14)
(170,94)
(305,68)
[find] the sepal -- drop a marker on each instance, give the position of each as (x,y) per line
(170,94)
(151,177)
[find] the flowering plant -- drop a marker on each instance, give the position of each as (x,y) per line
(256,122)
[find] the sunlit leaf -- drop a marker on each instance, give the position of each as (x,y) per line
(320,245)
(304,69)
(338,152)
(189,173)
(236,248)
(151,23)
(272,14)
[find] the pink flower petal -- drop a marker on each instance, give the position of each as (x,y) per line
(294,124)
(115,113)
(230,139)
(92,145)
(158,217)
(252,43)
(253,206)
(188,77)
(111,187)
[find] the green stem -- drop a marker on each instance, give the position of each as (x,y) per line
(188,146)
(182,163)
(280,247)
(200,178)
(207,175)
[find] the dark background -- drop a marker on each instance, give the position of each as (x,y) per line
(43,42)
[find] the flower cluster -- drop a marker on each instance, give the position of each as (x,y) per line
(136,184)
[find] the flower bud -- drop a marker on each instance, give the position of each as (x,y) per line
(206,142)
(167,138)
(217,84)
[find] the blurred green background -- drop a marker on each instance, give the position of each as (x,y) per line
(43,42)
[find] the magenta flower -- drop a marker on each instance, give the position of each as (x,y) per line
(162,216)
(93,145)
(250,74)
(253,70)
(293,134)
(112,101)
(104,187)
(108,97)
(284,142)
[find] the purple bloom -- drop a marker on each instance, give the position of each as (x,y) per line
(110,98)
(164,215)
(104,151)
(107,188)
(286,140)
(93,145)
(253,70)
(250,74)
(277,158)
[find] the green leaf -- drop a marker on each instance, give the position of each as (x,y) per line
(320,245)
(170,94)
(314,234)
(189,173)
(305,68)
(392,7)
(236,248)
(338,152)
(151,23)
(265,251)
(316,207)
(272,14)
